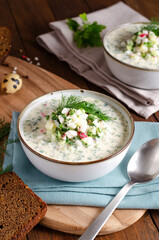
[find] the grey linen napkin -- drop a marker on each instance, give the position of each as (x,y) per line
(90,62)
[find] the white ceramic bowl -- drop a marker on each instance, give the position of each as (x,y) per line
(75,171)
(136,76)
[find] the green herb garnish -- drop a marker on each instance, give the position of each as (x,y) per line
(153,26)
(76,102)
(87,34)
(148,44)
(47,117)
(35,129)
(7,169)
(58,135)
(67,102)
(70,142)
(4,131)
(4,128)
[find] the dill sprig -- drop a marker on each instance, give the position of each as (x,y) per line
(7,169)
(4,131)
(4,128)
(153,26)
(68,102)
(77,102)
(2,153)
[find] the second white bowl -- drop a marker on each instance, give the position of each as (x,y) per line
(134,75)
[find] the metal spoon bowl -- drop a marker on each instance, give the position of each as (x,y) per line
(142,167)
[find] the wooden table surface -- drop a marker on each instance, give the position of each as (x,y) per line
(29,18)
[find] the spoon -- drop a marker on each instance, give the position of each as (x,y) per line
(143,167)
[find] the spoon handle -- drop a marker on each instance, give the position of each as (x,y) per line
(98,223)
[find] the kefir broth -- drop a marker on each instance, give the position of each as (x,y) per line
(113,45)
(36,137)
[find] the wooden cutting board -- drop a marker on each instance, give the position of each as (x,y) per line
(70,219)
(76,219)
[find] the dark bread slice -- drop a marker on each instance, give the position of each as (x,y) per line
(5,43)
(20,208)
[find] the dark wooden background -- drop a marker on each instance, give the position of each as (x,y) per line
(29,18)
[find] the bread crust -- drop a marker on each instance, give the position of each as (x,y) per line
(35,216)
(5,43)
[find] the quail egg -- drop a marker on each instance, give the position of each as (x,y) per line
(12,83)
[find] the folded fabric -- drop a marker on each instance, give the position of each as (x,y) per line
(92,193)
(90,62)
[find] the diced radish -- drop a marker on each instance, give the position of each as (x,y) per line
(42,130)
(143,35)
(43,114)
(82,135)
(63,136)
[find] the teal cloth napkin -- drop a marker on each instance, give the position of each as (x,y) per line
(93,193)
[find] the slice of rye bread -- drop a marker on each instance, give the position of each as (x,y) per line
(20,208)
(5,43)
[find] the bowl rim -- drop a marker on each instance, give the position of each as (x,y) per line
(77,163)
(119,61)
